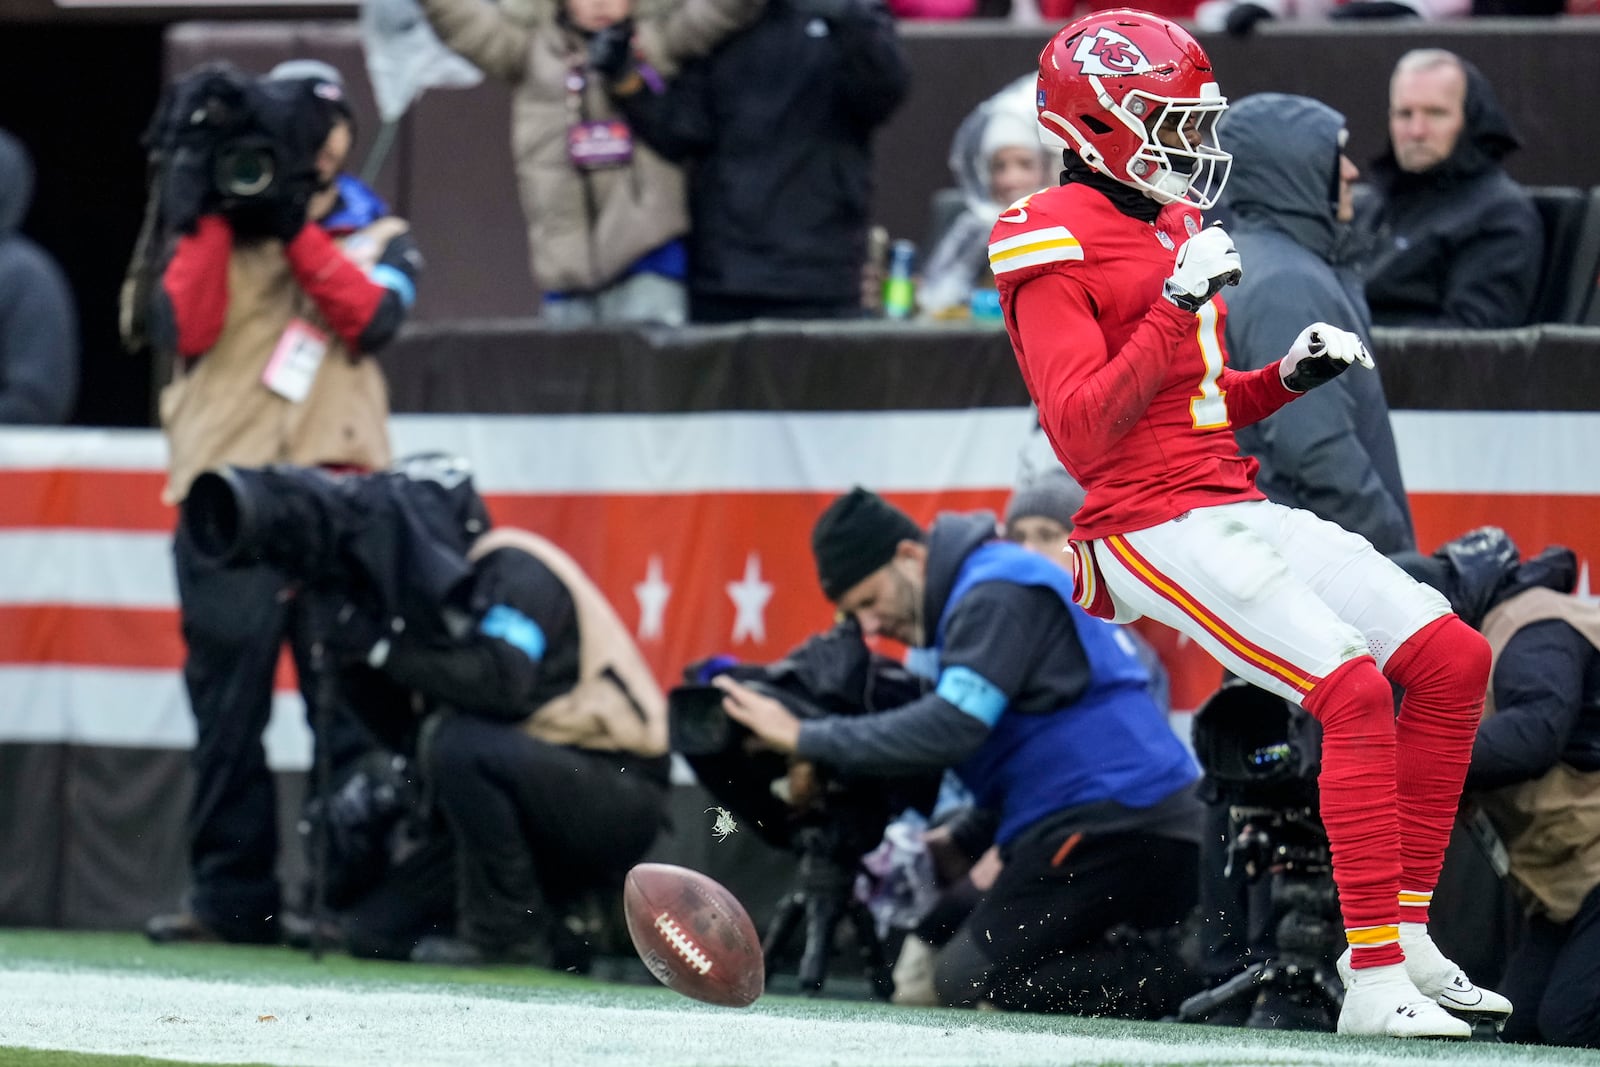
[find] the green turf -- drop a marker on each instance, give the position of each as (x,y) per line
(248,963)
(28,1057)
(130,953)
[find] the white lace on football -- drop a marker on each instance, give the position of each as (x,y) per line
(682,943)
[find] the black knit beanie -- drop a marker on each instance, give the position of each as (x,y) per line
(856,535)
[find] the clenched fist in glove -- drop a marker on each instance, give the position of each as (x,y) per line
(1206,262)
(1320,354)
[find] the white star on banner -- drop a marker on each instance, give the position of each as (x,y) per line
(1583,592)
(652,594)
(750,595)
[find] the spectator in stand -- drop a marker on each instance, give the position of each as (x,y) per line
(1289,197)
(271,311)
(777,127)
(996,159)
(38,324)
(1457,243)
(606,214)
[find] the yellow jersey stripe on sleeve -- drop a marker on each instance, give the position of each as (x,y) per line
(1051,244)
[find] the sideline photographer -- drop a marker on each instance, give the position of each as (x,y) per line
(1045,715)
(492,662)
(1535,768)
(549,758)
(279,281)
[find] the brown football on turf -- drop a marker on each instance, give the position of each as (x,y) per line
(693,935)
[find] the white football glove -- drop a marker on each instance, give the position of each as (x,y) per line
(1206,262)
(1320,354)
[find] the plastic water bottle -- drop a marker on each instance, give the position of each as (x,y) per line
(899,288)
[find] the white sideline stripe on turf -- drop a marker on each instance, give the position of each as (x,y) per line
(1440,451)
(220,1022)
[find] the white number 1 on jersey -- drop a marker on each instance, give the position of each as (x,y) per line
(1208,408)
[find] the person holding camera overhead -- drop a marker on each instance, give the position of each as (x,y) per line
(281,283)
(1045,715)
(606,213)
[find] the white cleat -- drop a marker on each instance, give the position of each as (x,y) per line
(1382,1002)
(1436,976)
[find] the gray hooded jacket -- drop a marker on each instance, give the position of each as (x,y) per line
(38,325)
(1333,451)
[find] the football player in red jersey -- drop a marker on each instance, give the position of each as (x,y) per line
(1110,288)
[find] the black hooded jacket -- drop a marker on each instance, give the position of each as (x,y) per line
(1334,453)
(1547,680)
(1461,244)
(38,323)
(775,128)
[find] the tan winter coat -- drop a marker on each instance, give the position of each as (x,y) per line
(616,705)
(1551,825)
(216,409)
(637,208)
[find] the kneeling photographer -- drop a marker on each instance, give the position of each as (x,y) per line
(1533,788)
(538,729)
(269,281)
(1045,716)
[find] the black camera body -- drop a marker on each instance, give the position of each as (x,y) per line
(1261,756)
(832,673)
(235,144)
(1257,749)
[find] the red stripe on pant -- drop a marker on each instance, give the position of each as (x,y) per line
(1444,669)
(1355,706)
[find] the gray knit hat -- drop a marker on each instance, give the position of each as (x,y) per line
(1052,494)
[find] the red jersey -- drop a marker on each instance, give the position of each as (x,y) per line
(1134,393)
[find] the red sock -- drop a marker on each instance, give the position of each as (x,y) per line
(1355,706)
(1444,668)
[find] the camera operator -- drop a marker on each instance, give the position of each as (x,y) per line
(547,755)
(275,294)
(1536,767)
(1044,713)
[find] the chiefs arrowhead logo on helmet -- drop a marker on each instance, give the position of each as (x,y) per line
(1133,95)
(1108,53)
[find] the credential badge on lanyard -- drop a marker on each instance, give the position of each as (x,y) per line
(598,143)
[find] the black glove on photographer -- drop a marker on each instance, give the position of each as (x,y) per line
(611,50)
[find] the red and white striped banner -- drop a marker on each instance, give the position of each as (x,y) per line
(695,525)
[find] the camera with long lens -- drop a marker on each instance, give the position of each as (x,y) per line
(832,673)
(834,818)
(1261,756)
(393,542)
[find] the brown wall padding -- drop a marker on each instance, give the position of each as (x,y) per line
(522,367)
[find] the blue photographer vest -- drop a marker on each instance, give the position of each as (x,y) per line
(1113,743)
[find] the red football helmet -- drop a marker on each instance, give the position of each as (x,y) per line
(1133,95)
